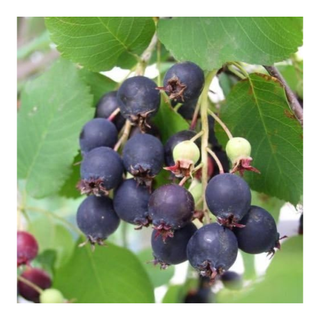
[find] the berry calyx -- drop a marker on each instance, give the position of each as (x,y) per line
(183,82)
(27,247)
(185,155)
(238,150)
(51,296)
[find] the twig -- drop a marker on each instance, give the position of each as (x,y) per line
(293,101)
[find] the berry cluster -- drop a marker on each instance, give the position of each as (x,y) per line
(34,284)
(171,208)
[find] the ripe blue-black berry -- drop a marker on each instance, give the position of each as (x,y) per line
(171,207)
(27,247)
(212,250)
(173,250)
(229,198)
(173,141)
(260,232)
(130,202)
(183,82)
(96,133)
(232,280)
(138,100)
(101,170)
(97,219)
(38,277)
(143,157)
(106,106)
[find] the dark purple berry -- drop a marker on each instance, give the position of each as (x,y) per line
(106,106)
(38,277)
(171,207)
(96,133)
(183,82)
(260,232)
(229,198)
(101,170)
(173,141)
(143,157)
(130,202)
(232,280)
(173,250)
(152,129)
(187,109)
(97,219)
(27,247)
(138,100)
(212,250)
(300,229)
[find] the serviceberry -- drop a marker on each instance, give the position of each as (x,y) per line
(106,106)
(228,197)
(96,133)
(143,157)
(101,170)
(260,232)
(27,247)
(51,295)
(38,277)
(183,82)
(138,100)
(173,250)
(212,250)
(171,207)
(130,202)
(97,219)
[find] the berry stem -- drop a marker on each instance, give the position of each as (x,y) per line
(30,284)
(224,127)
(199,134)
(183,181)
(214,156)
(113,114)
(235,72)
(195,117)
(204,139)
(124,136)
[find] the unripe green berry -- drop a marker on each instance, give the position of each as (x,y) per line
(238,148)
(51,296)
(186,150)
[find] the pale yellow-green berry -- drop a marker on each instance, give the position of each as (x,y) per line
(51,296)
(238,148)
(186,150)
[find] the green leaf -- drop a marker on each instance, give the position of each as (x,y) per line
(53,236)
(212,41)
(257,109)
(108,275)
(158,277)
(283,282)
(173,294)
(69,189)
(169,121)
(98,83)
(98,43)
(54,107)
